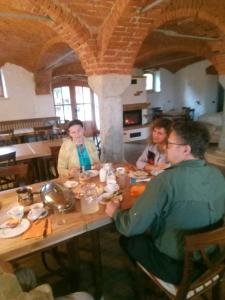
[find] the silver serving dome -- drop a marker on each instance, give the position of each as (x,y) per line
(57,197)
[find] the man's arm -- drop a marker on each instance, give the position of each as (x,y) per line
(148,206)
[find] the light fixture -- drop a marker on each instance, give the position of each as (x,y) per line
(189,36)
(149,6)
(24,16)
(58,60)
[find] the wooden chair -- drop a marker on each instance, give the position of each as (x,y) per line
(60,131)
(8,159)
(43,133)
(212,266)
(7,137)
(13,176)
(53,161)
(90,130)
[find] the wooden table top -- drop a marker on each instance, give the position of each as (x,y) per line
(31,150)
(76,223)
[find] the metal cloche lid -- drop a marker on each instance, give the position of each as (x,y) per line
(57,196)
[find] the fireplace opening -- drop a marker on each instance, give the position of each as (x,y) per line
(132,118)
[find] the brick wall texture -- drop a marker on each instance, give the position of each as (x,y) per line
(107,35)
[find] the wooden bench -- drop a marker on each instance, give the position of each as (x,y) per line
(28,123)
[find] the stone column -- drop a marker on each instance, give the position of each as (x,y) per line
(109,89)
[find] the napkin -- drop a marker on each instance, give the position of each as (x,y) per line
(137,190)
(37,229)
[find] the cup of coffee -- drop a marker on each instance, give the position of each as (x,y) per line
(120,171)
(25,196)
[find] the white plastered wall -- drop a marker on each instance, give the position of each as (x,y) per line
(190,86)
(22,102)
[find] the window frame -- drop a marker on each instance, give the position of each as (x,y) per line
(72,86)
(3,88)
(154,73)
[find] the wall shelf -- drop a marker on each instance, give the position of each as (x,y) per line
(134,106)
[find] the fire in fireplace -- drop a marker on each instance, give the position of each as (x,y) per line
(132,117)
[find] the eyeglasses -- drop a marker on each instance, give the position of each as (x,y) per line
(178,144)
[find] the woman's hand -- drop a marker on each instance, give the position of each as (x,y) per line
(73,172)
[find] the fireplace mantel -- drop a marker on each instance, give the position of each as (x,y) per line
(134,106)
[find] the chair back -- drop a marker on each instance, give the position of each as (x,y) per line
(13,176)
(43,132)
(54,160)
(7,137)
(210,248)
(8,159)
(90,129)
(204,267)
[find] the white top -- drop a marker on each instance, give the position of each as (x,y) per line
(144,158)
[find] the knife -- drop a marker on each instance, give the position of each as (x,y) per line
(45,229)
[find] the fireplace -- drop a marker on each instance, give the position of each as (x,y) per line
(132,118)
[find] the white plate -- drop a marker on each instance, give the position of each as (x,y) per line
(37,205)
(92,173)
(106,200)
(138,174)
(70,184)
(13,232)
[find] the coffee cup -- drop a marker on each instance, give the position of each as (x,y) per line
(120,171)
(25,196)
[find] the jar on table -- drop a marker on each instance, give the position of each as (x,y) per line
(89,198)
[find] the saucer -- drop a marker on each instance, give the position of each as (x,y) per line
(36,214)
(70,184)
(92,173)
(16,212)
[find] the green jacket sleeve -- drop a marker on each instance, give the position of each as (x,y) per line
(152,204)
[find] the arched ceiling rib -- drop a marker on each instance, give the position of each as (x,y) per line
(111,36)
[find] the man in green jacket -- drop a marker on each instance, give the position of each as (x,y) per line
(188,196)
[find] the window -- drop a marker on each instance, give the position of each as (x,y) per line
(76,102)
(83,103)
(63,108)
(153,82)
(3,90)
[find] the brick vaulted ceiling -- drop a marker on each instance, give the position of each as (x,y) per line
(55,38)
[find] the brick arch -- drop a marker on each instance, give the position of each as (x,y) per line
(187,12)
(68,27)
(198,49)
(126,58)
(200,14)
(46,48)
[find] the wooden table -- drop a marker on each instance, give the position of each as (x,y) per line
(21,133)
(174,115)
(28,151)
(75,225)
(36,152)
